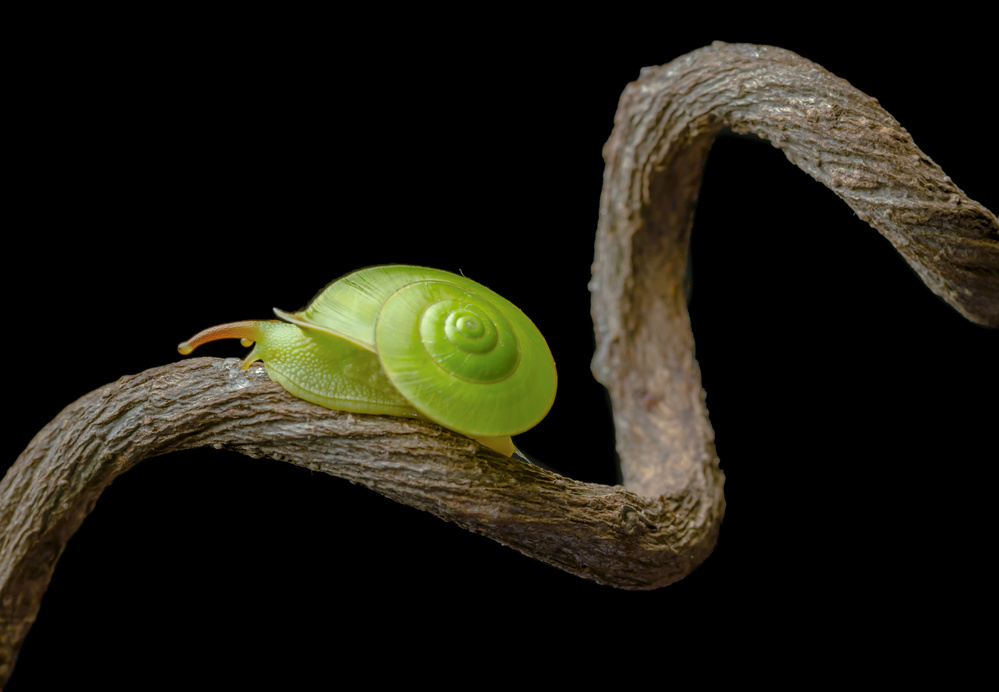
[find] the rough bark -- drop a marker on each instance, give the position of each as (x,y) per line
(665,124)
(665,520)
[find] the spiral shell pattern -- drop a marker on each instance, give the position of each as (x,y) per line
(459,353)
(466,357)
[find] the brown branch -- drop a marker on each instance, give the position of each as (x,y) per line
(666,521)
(664,126)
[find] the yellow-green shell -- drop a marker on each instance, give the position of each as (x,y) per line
(461,354)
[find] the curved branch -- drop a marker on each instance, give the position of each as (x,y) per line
(666,521)
(665,124)
(607,534)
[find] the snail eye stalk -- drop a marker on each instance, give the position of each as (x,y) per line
(246,331)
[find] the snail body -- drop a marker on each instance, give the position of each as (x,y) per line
(408,341)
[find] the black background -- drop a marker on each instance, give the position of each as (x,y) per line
(175,172)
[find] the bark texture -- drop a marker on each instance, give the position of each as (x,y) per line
(665,124)
(665,519)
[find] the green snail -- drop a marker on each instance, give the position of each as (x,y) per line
(408,341)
